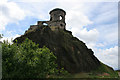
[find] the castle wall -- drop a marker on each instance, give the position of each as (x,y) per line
(57,21)
(32,28)
(41,23)
(55,16)
(58,24)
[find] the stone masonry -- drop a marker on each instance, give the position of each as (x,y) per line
(57,20)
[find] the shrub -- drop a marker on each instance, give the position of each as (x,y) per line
(27,60)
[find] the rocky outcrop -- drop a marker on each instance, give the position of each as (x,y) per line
(71,53)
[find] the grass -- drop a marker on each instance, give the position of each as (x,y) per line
(103,71)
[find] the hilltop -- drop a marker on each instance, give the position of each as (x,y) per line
(71,53)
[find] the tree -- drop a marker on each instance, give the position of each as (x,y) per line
(1,35)
(27,60)
(0,57)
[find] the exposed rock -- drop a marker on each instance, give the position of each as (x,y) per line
(72,54)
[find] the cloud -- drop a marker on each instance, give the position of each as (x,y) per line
(107,13)
(86,35)
(108,56)
(38,10)
(108,33)
(10,38)
(9,13)
(76,20)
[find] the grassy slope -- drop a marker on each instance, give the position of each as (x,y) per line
(103,71)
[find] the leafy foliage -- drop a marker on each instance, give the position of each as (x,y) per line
(27,60)
(1,35)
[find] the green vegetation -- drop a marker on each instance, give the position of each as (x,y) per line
(1,35)
(27,60)
(103,71)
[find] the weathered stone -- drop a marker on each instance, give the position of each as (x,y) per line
(57,21)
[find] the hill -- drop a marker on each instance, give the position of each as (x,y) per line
(71,53)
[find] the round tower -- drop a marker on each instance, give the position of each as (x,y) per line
(57,18)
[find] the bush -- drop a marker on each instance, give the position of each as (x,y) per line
(27,60)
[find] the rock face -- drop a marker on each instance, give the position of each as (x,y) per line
(71,53)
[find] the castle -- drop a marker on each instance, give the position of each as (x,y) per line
(57,20)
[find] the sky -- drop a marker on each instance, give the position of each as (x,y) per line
(95,23)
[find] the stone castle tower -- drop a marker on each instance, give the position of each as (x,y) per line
(57,18)
(57,21)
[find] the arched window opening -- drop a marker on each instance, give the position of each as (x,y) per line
(60,17)
(45,24)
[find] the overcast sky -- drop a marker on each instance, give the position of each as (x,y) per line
(95,23)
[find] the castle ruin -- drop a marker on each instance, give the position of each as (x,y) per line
(57,20)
